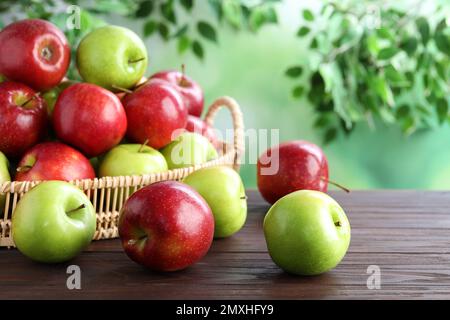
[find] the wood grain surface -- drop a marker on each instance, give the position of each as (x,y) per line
(405,233)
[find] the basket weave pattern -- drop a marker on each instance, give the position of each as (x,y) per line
(108,194)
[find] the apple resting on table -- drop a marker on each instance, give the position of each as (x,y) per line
(307,232)
(166,226)
(34,52)
(291,166)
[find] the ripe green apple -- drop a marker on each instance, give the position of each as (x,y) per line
(307,232)
(53,222)
(4,176)
(112,57)
(132,159)
(223,190)
(188,149)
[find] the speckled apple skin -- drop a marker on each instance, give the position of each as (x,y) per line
(166,226)
(90,118)
(55,161)
(301,166)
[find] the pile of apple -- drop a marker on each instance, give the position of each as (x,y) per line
(115,123)
(55,129)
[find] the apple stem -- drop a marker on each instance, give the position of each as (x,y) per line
(244,198)
(122,89)
(37,94)
(183,75)
(143,145)
(335,184)
(137,60)
(23,168)
(82,206)
(338,224)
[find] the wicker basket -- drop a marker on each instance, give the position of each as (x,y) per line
(108,194)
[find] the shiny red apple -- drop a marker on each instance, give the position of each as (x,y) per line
(166,226)
(54,161)
(190,90)
(90,118)
(154,111)
(34,52)
(291,166)
(197,125)
(23,118)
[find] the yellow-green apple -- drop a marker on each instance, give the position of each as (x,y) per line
(291,166)
(188,149)
(54,161)
(4,176)
(190,91)
(112,57)
(197,125)
(132,159)
(89,118)
(34,52)
(155,111)
(307,232)
(23,118)
(166,226)
(223,190)
(53,222)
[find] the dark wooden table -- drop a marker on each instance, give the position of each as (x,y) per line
(405,233)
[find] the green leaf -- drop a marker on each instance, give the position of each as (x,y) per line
(232,12)
(197,48)
(395,77)
(297,91)
(442,42)
(184,43)
(187,4)
(303,31)
(149,28)
(424,29)
(314,43)
(168,12)
(387,53)
(260,16)
(409,45)
(308,15)
(321,121)
(442,110)
(330,135)
(385,33)
(372,44)
(381,87)
(294,72)
(207,31)
(181,31)
(145,9)
(163,30)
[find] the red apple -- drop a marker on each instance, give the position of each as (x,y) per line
(23,118)
(90,118)
(154,111)
(291,166)
(166,226)
(34,52)
(54,161)
(197,125)
(190,91)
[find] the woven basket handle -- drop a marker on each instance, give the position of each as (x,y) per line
(238,124)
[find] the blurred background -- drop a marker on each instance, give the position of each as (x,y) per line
(368,81)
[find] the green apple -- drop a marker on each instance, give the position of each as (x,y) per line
(307,232)
(4,176)
(53,222)
(132,159)
(188,149)
(223,190)
(112,57)
(52,95)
